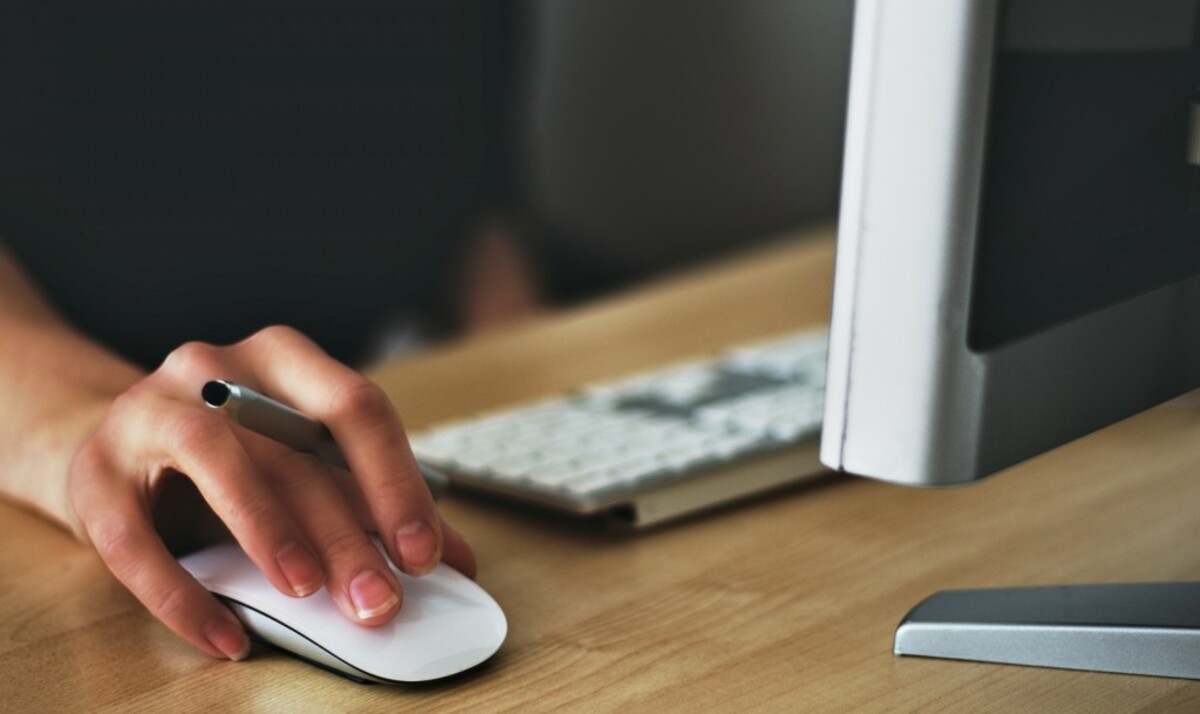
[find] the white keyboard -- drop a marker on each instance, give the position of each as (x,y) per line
(655,445)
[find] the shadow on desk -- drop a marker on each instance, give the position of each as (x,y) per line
(611,528)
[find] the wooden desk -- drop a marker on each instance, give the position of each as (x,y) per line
(787,603)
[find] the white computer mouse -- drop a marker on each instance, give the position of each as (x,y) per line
(446,625)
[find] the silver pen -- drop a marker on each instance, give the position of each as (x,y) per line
(276,420)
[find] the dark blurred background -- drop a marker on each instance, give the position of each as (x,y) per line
(379,173)
(654,134)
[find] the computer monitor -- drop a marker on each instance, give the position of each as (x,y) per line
(1018,264)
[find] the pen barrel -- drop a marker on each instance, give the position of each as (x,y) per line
(278,421)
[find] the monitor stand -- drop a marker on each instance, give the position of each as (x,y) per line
(1151,629)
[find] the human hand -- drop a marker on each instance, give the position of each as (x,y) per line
(304,523)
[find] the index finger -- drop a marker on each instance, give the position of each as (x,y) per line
(119,526)
(367,428)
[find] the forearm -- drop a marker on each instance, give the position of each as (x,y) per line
(55,385)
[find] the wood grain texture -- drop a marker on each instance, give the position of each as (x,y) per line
(786,603)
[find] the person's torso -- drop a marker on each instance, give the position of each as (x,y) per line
(196,170)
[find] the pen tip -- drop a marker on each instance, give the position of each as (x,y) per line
(215,393)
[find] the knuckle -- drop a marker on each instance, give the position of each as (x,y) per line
(171,604)
(276,335)
(196,432)
(128,414)
(252,512)
(345,544)
(192,359)
(123,405)
(400,488)
(360,401)
(116,543)
(296,472)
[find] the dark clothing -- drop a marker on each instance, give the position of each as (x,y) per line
(197,169)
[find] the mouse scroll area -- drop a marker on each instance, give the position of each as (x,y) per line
(447,624)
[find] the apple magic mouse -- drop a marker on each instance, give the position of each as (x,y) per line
(446,625)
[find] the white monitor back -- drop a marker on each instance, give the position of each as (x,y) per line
(908,399)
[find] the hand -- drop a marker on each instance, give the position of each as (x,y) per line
(304,523)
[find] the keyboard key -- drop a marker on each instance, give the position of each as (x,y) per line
(644,429)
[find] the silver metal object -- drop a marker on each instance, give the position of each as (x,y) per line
(1151,629)
(276,420)
(910,400)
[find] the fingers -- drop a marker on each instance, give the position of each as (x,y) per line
(360,581)
(203,446)
(300,521)
(287,365)
(290,367)
(119,526)
(457,552)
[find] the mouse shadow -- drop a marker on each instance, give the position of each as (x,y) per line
(480,671)
(477,673)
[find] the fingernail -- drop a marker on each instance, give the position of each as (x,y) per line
(417,546)
(229,638)
(372,595)
(301,569)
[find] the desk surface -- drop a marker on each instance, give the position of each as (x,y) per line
(784,603)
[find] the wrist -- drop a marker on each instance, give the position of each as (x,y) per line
(61,395)
(55,447)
